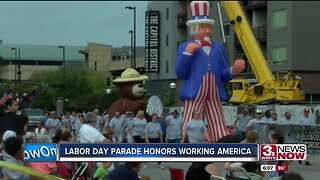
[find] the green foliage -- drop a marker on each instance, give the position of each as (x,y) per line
(169,99)
(4,88)
(85,89)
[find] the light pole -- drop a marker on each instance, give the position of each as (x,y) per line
(64,74)
(19,66)
(131,54)
(135,32)
(15,66)
(173,87)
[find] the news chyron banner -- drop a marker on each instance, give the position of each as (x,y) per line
(293,134)
(40,152)
(284,152)
(141,152)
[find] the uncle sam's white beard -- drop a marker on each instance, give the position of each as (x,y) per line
(207,39)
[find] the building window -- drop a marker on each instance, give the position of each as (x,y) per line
(226,29)
(114,58)
(123,57)
(279,18)
(118,58)
(279,54)
(95,65)
(49,63)
(167,66)
(167,13)
(167,40)
(27,62)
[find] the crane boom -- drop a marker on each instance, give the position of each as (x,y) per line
(268,88)
(248,41)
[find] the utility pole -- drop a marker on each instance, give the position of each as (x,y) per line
(135,32)
(64,76)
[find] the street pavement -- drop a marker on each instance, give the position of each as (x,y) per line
(155,173)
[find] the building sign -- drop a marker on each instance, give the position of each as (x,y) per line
(152,41)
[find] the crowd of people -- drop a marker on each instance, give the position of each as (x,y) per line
(93,127)
(244,122)
(83,127)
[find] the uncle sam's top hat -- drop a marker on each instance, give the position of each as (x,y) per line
(199,11)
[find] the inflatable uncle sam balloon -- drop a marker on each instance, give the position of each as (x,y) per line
(201,64)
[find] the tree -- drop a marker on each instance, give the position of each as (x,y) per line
(86,89)
(169,99)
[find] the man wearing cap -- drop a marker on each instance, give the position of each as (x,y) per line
(5,136)
(252,125)
(201,64)
(306,119)
(29,137)
(12,154)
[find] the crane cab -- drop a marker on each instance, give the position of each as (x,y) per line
(239,88)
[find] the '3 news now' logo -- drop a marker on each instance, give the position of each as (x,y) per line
(271,152)
(40,152)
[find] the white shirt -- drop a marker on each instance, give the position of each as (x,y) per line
(306,120)
(40,136)
(89,134)
(243,120)
(72,120)
(53,122)
(266,120)
(253,122)
(286,121)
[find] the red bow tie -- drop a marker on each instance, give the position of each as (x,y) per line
(205,43)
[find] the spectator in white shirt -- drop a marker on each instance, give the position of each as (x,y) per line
(306,119)
(78,123)
(40,132)
(99,122)
(88,133)
(73,118)
(241,123)
(267,118)
(287,118)
(252,125)
(53,124)
(128,125)
(106,120)
(117,125)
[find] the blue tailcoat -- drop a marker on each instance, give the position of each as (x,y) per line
(191,69)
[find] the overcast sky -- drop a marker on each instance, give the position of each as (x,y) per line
(70,23)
